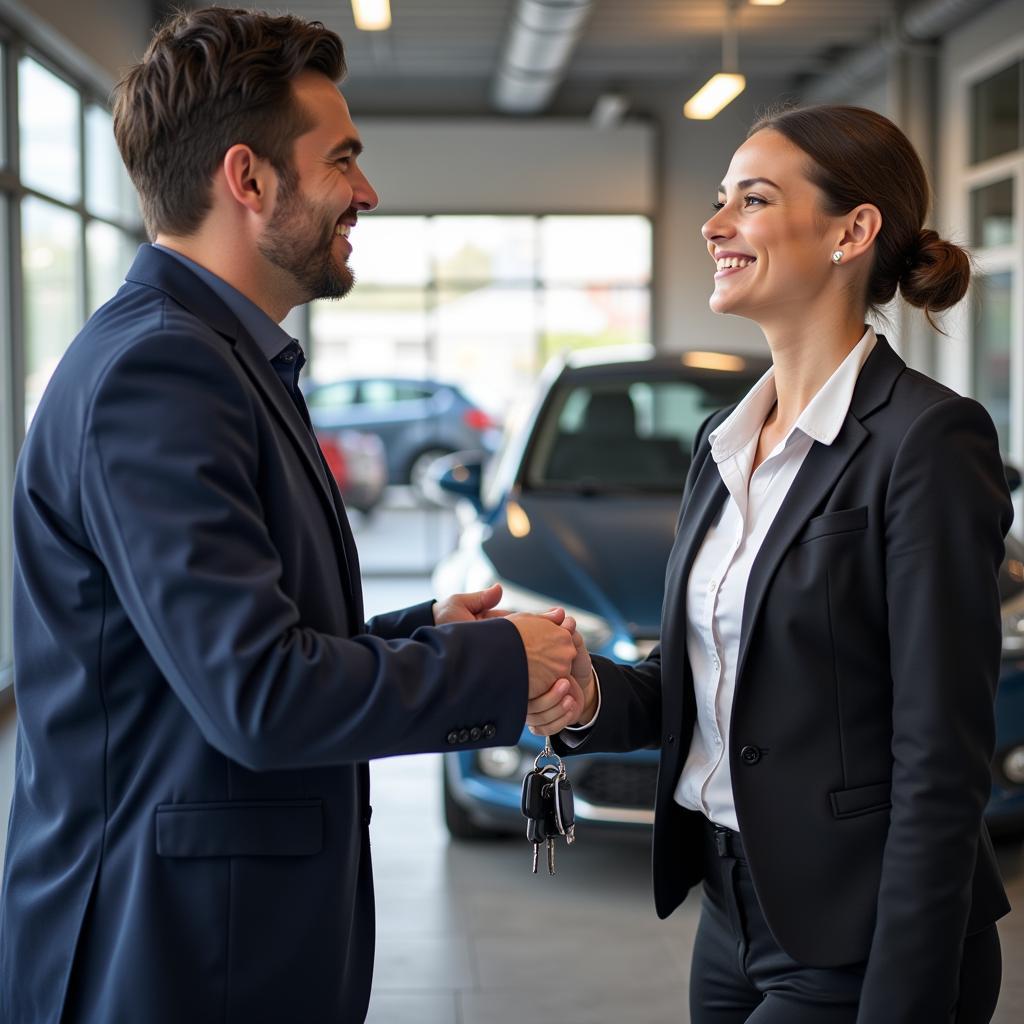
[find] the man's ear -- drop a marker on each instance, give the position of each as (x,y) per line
(247,177)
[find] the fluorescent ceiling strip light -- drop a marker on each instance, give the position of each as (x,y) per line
(715,94)
(372,15)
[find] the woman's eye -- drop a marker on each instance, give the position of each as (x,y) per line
(717,205)
(747,200)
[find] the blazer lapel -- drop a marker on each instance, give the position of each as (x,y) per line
(158,270)
(821,469)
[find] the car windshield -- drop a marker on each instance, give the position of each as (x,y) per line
(614,435)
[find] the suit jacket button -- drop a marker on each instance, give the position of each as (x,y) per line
(750,755)
(452,738)
(475,733)
(463,735)
(670,738)
(490,731)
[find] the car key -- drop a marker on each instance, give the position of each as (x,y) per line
(534,809)
(565,817)
(547,803)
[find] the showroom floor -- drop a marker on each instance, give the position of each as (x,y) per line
(467,935)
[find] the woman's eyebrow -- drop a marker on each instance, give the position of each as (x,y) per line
(747,182)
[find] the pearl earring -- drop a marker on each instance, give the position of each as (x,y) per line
(837,255)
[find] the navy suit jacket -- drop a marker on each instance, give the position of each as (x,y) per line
(862,723)
(197,690)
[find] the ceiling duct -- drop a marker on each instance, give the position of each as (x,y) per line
(537,50)
(920,23)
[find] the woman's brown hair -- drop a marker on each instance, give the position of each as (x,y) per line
(859,156)
(210,79)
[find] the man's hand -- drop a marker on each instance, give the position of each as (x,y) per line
(550,650)
(571,701)
(482,604)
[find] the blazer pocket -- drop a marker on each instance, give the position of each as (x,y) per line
(848,520)
(850,803)
(240,828)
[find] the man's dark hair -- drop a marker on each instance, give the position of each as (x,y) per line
(211,79)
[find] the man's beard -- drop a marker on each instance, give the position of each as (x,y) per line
(299,239)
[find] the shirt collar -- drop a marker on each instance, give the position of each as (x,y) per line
(821,420)
(271,338)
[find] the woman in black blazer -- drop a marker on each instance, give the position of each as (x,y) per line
(823,692)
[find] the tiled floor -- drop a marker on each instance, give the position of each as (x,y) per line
(467,935)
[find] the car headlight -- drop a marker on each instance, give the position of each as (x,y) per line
(500,762)
(1013,626)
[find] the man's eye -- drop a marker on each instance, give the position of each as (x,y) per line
(343,161)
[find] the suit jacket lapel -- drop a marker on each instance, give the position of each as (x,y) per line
(821,469)
(158,270)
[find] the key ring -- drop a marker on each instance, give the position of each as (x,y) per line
(549,755)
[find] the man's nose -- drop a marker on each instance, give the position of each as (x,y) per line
(364,196)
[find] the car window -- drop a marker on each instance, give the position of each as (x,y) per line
(623,434)
(387,392)
(331,396)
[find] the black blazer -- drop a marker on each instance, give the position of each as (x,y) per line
(862,727)
(197,691)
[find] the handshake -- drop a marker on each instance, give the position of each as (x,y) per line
(562,689)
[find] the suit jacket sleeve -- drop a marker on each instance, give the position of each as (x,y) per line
(630,716)
(947,512)
(403,623)
(169,464)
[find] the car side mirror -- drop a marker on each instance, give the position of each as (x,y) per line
(455,476)
(1012,477)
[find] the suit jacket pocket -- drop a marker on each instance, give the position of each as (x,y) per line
(240,828)
(846,520)
(849,803)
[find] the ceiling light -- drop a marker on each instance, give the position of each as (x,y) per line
(767,3)
(720,89)
(372,15)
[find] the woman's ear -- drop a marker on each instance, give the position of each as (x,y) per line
(860,228)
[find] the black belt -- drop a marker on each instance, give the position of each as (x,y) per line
(726,843)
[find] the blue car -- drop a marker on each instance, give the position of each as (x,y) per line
(418,420)
(579,509)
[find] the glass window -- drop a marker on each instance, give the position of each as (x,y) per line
(51,259)
(109,252)
(6,451)
(108,189)
(991,350)
(996,114)
(48,123)
(992,214)
(482,249)
(574,318)
(3,105)
(390,251)
(595,250)
(369,329)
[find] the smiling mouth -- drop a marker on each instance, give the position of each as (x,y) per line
(342,230)
(734,262)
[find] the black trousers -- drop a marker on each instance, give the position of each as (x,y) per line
(739,974)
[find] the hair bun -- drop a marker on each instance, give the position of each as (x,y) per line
(937,273)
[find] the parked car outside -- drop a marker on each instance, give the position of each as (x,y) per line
(418,420)
(579,510)
(358,465)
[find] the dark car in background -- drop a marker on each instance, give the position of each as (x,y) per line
(418,420)
(579,510)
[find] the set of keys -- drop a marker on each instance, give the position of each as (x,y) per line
(547,805)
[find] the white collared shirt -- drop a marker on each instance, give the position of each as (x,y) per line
(717,585)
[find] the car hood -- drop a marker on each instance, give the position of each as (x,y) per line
(601,553)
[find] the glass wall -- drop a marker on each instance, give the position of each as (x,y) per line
(484,301)
(69,227)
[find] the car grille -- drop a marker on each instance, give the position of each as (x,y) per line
(618,784)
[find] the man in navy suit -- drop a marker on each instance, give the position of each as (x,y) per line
(198,693)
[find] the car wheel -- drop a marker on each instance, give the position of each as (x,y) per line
(456,818)
(419,466)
